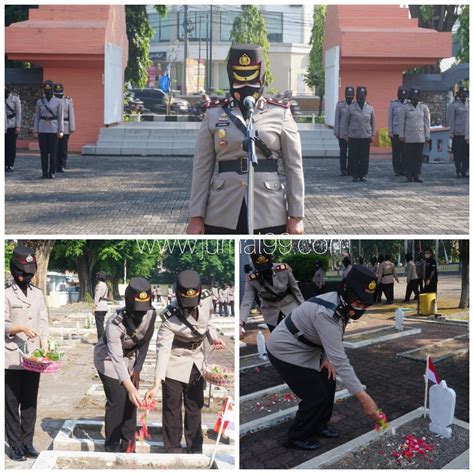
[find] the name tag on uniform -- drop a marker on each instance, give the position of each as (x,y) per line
(223,123)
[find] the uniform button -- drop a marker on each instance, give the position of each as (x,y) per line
(243,184)
(30,317)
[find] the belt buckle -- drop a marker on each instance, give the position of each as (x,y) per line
(244,169)
(194,345)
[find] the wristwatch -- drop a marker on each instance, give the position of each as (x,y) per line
(297,219)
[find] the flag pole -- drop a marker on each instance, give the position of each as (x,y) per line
(221,430)
(426,386)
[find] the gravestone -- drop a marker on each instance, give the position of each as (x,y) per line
(399,315)
(442,405)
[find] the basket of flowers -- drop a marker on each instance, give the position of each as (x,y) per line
(40,360)
(217,374)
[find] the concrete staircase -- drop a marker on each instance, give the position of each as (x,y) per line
(179,139)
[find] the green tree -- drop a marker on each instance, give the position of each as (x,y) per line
(464,249)
(249,28)
(315,75)
(139,34)
(462,35)
(16,13)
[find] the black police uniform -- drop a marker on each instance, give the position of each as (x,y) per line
(431,274)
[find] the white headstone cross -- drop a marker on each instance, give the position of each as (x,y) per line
(442,405)
(399,315)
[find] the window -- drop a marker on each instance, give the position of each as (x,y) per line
(162,27)
(274,24)
(226,22)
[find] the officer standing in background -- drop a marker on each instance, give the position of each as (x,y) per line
(223,300)
(180,357)
(420,271)
(387,277)
(394,129)
(431,273)
(319,278)
(48,127)
(346,266)
(170,294)
(276,287)
(118,357)
(341,109)
(26,329)
(358,128)
(69,126)
(215,296)
(231,299)
(101,302)
(218,202)
(307,350)
(12,127)
(414,132)
(412,278)
(457,117)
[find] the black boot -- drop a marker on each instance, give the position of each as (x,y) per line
(30,451)
(17,454)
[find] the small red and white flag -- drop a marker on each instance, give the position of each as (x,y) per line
(225,420)
(431,372)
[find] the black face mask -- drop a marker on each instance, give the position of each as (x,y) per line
(349,100)
(23,279)
(414,102)
(350,311)
(59,96)
(361,102)
(48,95)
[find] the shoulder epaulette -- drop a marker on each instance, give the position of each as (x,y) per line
(253,276)
(168,312)
(118,318)
(280,267)
(216,103)
(285,103)
(205,294)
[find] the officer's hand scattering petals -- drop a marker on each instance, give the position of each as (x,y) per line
(218,344)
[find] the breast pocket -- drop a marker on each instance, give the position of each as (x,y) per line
(217,183)
(273,185)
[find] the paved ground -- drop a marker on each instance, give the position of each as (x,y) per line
(395,383)
(149,195)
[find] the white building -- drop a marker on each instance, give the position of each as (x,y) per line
(289,32)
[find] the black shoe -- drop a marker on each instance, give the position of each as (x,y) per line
(17,454)
(45,176)
(418,180)
(354,179)
(328,433)
(306,445)
(464,175)
(343,173)
(458,174)
(363,179)
(408,180)
(10,169)
(60,170)
(52,176)
(30,451)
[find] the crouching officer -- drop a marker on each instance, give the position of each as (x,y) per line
(307,350)
(414,132)
(276,287)
(180,359)
(358,129)
(48,127)
(218,202)
(69,125)
(12,127)
(119,358)
(26,322)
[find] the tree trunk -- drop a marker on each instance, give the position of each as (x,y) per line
(115,287)
(85,280)
(42,250)
(464,259)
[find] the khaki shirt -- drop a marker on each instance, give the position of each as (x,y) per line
(357,122)
(317,324)
(230,294)
(457,117)
(387,273)
(341,110)
(318,278)
(414,123)
(420,269)
(218,197)
(12,107)
(109,359)
(394,117)
(410,271)
(223,295)
(283,281)
(101,294)
(49,126)
(29,310)
(177,363)
(69,115)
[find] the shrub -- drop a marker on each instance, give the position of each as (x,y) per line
(303,265)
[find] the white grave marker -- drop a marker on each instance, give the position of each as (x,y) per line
(399,315)
(442,405)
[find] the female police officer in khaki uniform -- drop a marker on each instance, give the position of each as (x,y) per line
(179,362)
(306,348)
(26,320)
(217,204)
(118,357)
